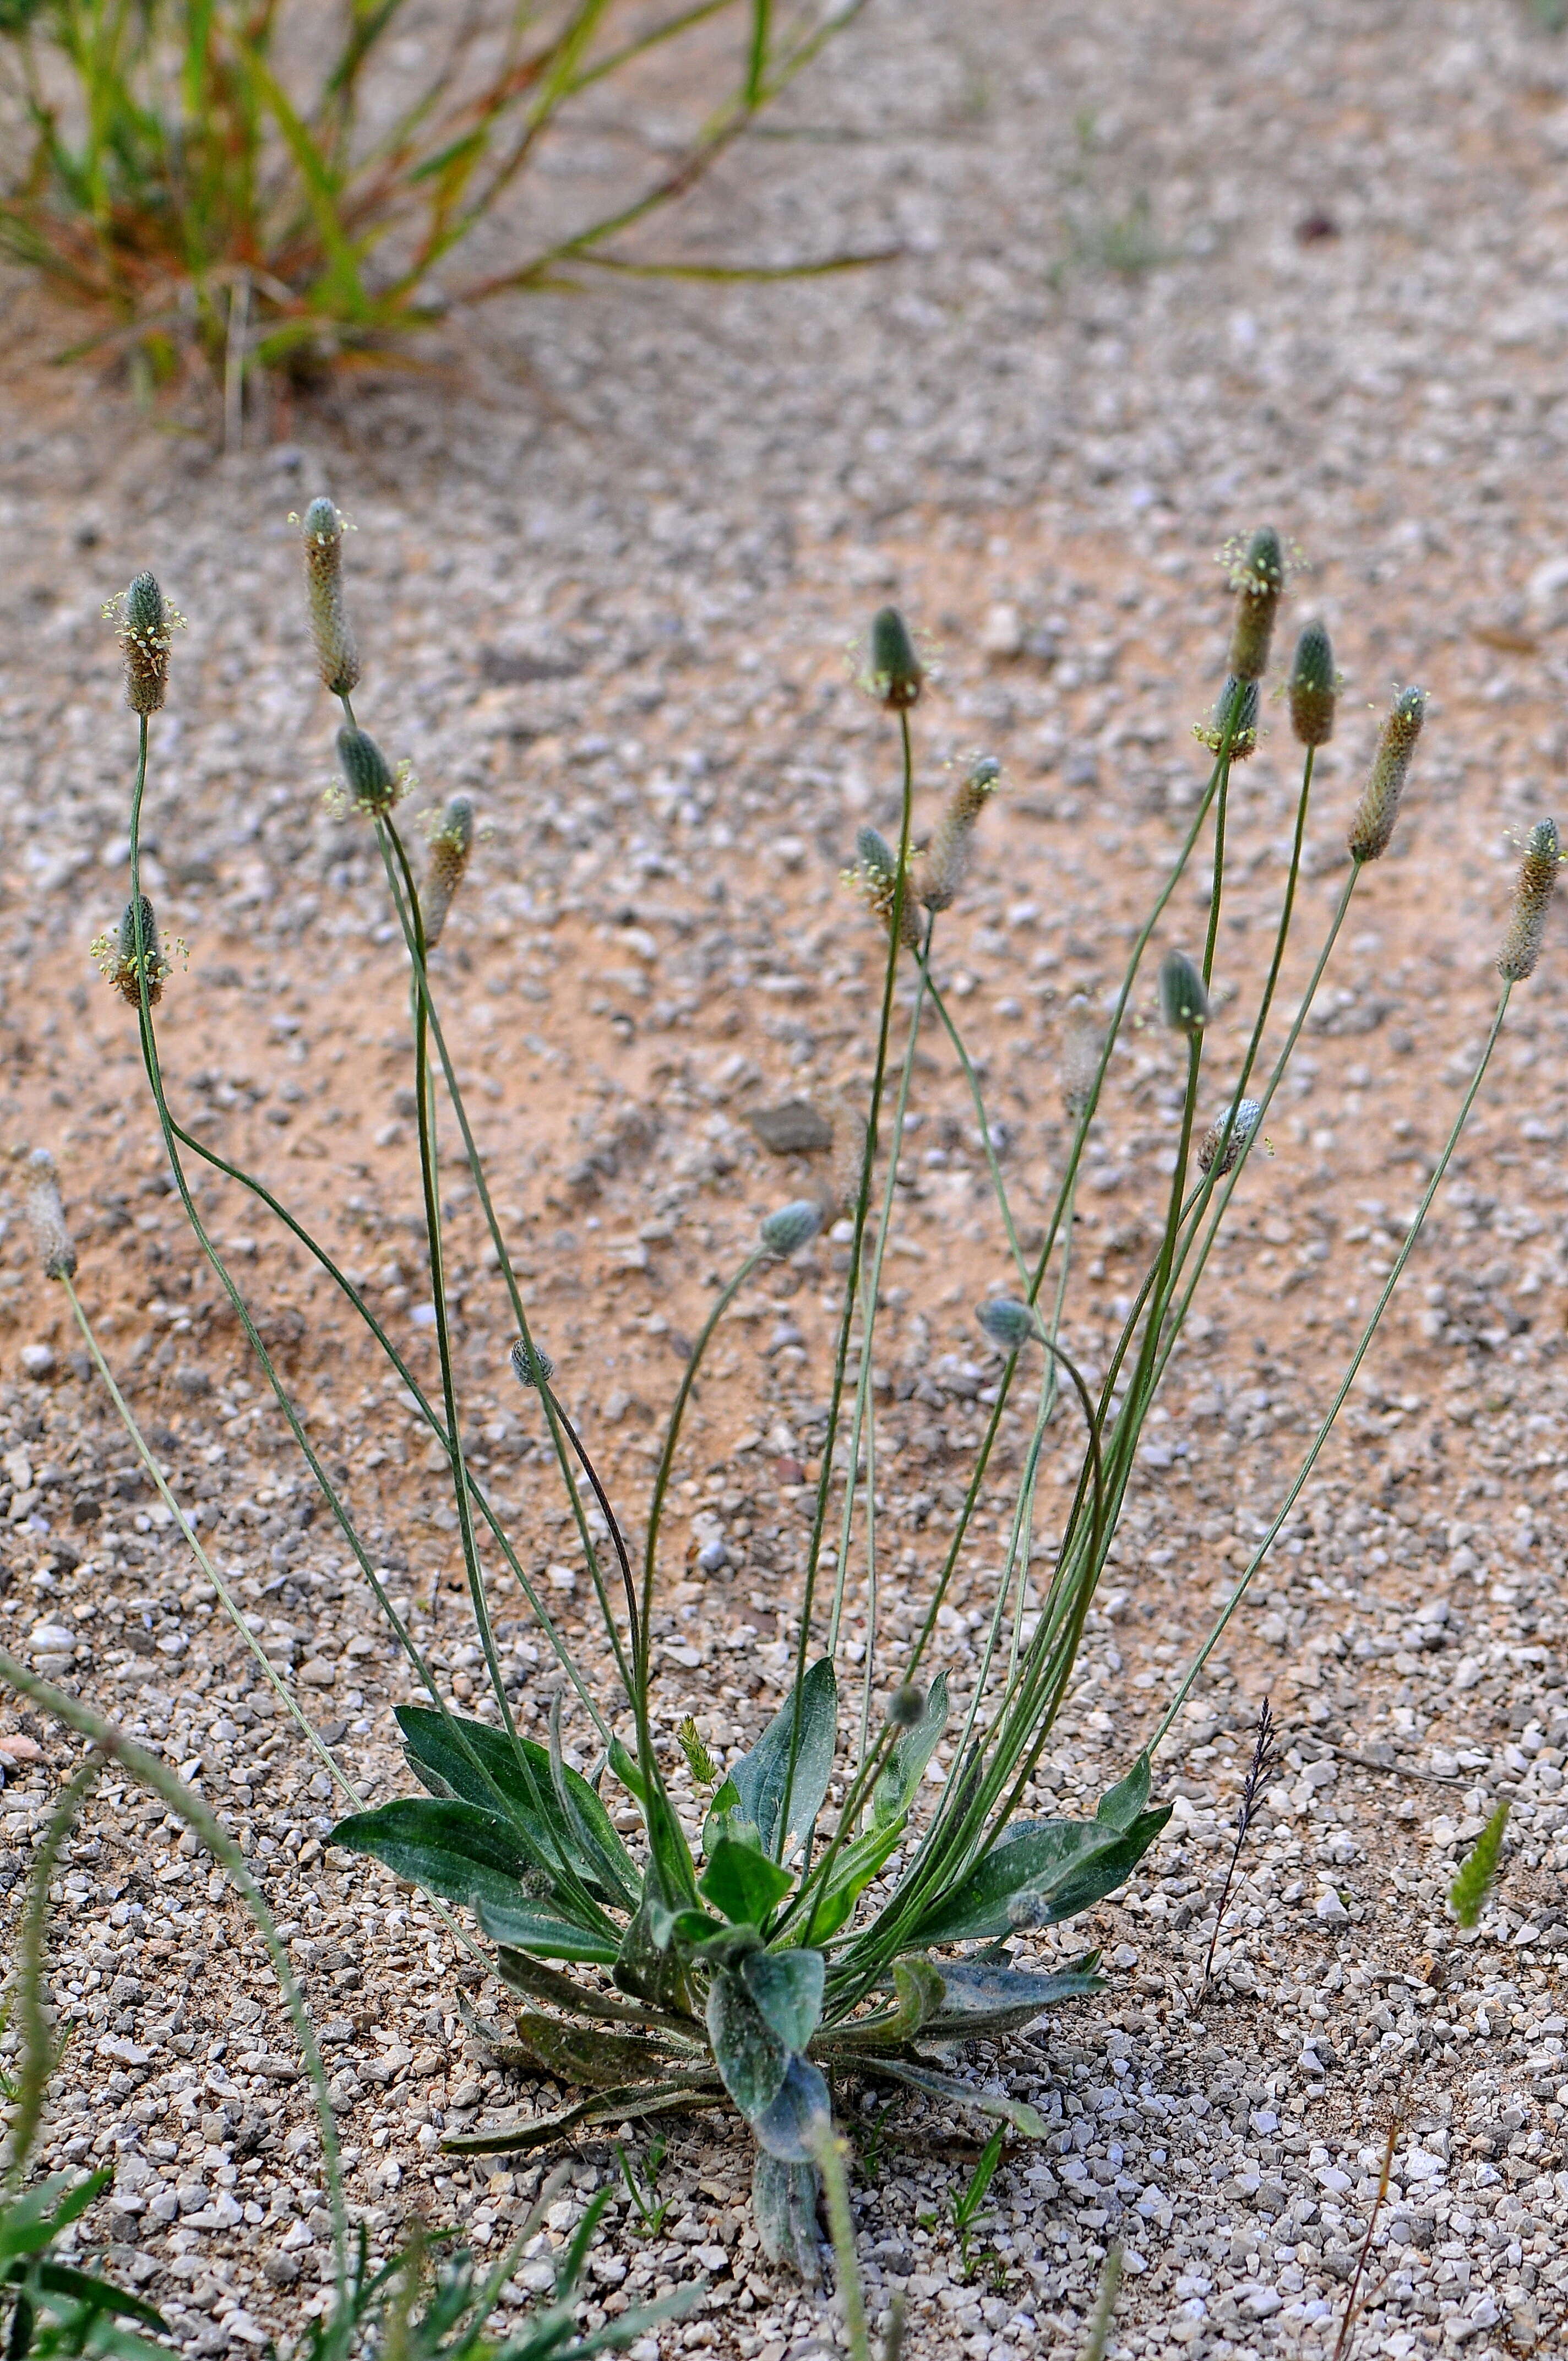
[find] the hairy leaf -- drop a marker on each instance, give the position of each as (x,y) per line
(980,2001)
(995,2104)
(743,1883)
(1041,1872)
(540,1927)
(784,2203)
(760,1777)
(787,1986)
(799,2117)
(570,1828)
(750,2055)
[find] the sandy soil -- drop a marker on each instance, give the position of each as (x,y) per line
(605,572)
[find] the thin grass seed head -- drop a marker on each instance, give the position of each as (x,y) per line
(946,861)
(1248,1116)
(1184,1003)
(699,1762)
(144,625)
(1468,1895)
(46,1218)
(895,671)
(1376,814)
(1257,578)
(531,1366)
(1008,1323)
(1243,731)
(1314,687)
(1533,899)
(370,786)
(321,529)
(123,958)
(451,838)
(906,1706)
(791,1227)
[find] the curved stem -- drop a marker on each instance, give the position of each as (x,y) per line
(1363,1347)
(115,1747)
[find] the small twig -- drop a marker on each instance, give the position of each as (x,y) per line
(1265,1755)
(1347,2325)
(1396,1770)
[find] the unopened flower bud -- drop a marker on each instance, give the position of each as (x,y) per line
(1314,686)
(1008,1323)
(145,625)
(46,1218)
(791,1226)
(533,1367)
(1533,899)
(1184,1003)
(1242,1124)
(1235,723)
(338,656)
(947,857)
(895,672)
(906,1706)
(451,840)
(1379,807)
(1257,578)
(371,785)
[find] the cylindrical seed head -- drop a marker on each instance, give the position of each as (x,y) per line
(46,1218)
(1240,696)
(371,786)
(1184,1003)
(1314,687)
(1379,807)
(138,952)
(1257,578)
(876,878)
(906,1706)
(533,1367)
(895,670)
(146,634)
(790,1226)
(1008,1323)
(1084,1045)
(451,840)
(947,857)
(1533,899)
(337,655)
(1248,1116)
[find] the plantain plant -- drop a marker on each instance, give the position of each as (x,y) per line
(794,1939)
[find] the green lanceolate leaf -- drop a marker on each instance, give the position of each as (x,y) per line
(786,1987)
(760,1777)
(588,2056)
(784,2203)
(726,1818)
(1040,1872)
(995,2104)
(894,1790)
(743,1883)
(30,2220)
(458,1850)
(850,1873)
(1120,1806)
(749,2054)
(541,1928)
(567,1823)
(981,2001)
(799,2118)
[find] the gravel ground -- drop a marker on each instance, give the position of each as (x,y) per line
(1165,273)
